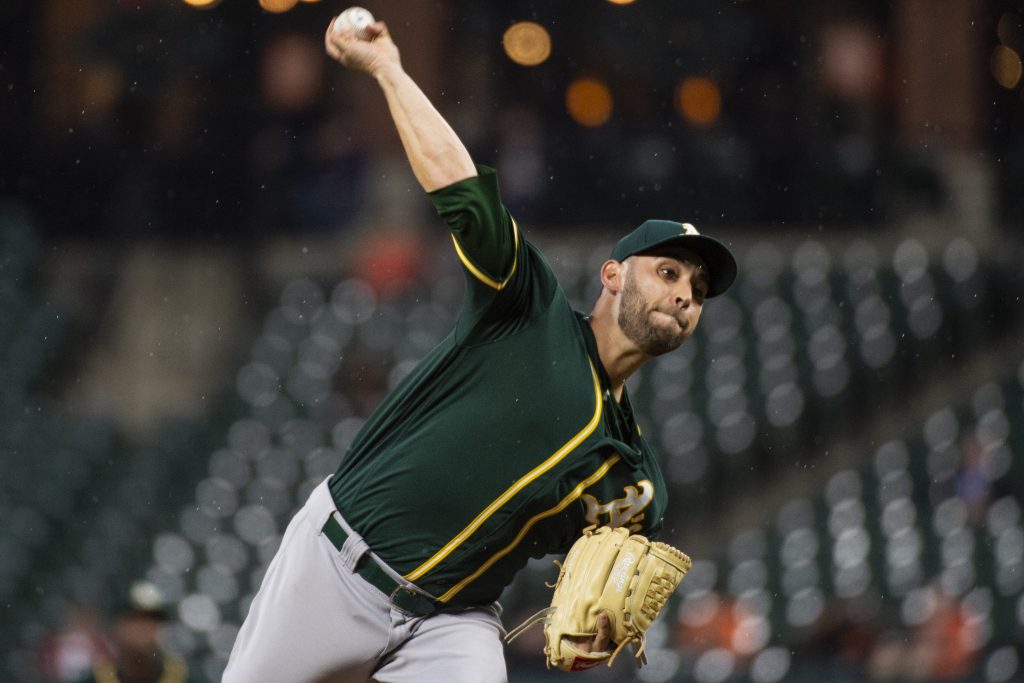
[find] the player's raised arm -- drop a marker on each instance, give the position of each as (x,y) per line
(486,239)
(437,156)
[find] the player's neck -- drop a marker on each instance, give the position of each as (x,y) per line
(619,355)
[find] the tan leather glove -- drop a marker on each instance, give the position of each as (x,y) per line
(625,576)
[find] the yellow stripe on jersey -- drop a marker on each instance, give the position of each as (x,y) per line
(481,275)
(564,503)
(522,483)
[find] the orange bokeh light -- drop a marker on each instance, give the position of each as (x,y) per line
(1006,66)
(589,102)
(699,101)
(527,43)
(278,6)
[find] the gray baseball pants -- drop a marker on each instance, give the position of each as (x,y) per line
(315,619)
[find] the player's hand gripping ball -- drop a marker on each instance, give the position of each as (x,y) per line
(354,19)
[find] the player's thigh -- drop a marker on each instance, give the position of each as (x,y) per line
(463,647)
(310,615)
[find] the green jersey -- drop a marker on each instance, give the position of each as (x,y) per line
(505,441)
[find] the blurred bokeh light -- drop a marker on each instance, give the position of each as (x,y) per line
(1006,66)
(278,6)
(527,43)
(699,101)
(589,102)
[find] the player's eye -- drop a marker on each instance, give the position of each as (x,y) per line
(668,273)
(700,289)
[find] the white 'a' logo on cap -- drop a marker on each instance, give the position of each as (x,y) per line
(689,229)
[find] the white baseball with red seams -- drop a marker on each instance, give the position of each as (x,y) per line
(354,19)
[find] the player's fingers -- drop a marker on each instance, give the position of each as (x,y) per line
(377,29)
(340,44)
(329,34)
(341,38)
(604,633)
(332,49)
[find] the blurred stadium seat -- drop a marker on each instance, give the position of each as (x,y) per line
(74,497)
(888,542)
(50,462)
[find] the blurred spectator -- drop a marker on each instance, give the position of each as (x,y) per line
(521,160)
(708,622)
(887,661)
(972,484)
(852,79)
(309,168)
(391,259)
(147,77)
(138,656)
(944,647)
(843,644)
(69,654)
(145,139)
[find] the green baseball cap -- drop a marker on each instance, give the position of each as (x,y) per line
(651,234)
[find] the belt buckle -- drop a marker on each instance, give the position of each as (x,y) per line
(411,600)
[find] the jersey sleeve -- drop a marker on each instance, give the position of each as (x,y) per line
(505,276)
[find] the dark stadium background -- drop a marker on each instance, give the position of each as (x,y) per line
(214,262)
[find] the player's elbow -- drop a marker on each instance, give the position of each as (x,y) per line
(442,177)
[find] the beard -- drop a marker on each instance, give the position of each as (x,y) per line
(634,320)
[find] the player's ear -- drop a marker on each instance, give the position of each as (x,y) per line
(613,274)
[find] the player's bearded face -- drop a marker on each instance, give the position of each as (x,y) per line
(637,320)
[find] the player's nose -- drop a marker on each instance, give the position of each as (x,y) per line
(683,296)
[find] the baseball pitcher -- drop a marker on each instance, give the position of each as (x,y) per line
(514,438)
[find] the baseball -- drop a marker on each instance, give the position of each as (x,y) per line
(354,19)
